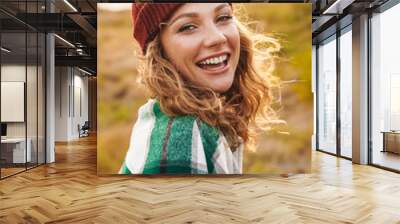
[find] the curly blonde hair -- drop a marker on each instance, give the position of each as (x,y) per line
(238,112)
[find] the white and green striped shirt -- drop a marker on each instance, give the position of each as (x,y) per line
(178,145)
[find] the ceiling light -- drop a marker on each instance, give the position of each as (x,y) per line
(64,40)
(337,7)
(70,5)
(84,71)
(5,49)
(80,51)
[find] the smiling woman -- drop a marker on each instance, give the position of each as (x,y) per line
(207,90)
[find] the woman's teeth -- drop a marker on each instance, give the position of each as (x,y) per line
(214,60)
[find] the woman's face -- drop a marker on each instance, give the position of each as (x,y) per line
(202,41)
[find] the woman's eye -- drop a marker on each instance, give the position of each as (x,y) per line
(186,27)
(223,18)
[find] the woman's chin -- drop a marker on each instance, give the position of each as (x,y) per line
(222,88)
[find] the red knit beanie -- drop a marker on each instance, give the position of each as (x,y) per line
(146,19)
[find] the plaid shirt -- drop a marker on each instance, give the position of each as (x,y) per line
(178,145)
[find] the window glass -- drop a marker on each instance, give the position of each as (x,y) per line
(327,96)
(385,80)
(345,94)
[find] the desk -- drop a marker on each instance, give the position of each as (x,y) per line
(15,148)
(391,141)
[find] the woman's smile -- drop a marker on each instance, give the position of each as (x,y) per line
(215,64)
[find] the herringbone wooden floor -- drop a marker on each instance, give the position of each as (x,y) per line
(69,191)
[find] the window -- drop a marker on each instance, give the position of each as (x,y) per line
(385,88)
(346,75)
(327,95)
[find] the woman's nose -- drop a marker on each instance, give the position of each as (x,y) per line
(214,36)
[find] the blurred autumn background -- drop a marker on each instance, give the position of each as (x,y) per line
(285,149)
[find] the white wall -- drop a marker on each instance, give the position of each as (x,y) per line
(61,103)
(80,110)
(13,73)
(33,125)
(12,101)
(16,73)
(71,94)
